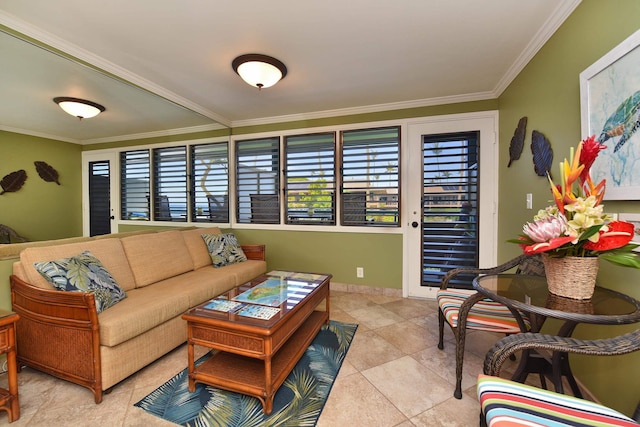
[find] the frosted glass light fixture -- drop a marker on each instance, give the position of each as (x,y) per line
(80,108)
(258,70)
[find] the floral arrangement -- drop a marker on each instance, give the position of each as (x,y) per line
(577,225)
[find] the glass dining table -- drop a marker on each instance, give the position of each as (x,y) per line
(529,295)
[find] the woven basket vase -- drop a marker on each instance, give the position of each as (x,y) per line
(571,277)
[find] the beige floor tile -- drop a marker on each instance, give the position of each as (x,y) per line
(369,349)
(443,362)
(375,316)
(370,408)
(407,336)
(450,413)
(411,308)
(409,385)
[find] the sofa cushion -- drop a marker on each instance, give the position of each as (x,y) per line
(142,310)
(245,271)
(197,247)
(83,273)
(224,249)
(203,284)
(507,403)
(158,256)
(108,251)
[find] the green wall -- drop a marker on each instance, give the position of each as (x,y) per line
(547,91)
(337,253)
(42,210)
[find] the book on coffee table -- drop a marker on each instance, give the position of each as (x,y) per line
(259,311)
(223,305)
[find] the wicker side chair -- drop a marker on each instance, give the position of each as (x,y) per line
(464,309)
(520,404)
(507,346)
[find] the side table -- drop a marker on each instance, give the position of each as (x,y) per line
(9,398)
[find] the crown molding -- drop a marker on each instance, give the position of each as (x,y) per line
(39,134)
(101,64)
(557,18)
(154,134)
(403,105)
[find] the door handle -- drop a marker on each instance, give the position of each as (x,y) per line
(112,217)
(415,224)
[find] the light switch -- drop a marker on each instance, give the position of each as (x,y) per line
(529,201)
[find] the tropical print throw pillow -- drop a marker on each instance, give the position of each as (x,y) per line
(224,249)
(83,273)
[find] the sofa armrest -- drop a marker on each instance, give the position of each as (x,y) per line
(58,333)
(255,252)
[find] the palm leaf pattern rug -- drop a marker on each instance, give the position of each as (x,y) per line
(298,402)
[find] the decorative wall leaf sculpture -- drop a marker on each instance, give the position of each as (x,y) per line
(46,172)
(13,181)
(517,141)
(542,153)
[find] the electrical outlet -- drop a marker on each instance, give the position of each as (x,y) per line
(359,272)
(529,201)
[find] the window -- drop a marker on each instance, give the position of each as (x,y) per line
(170,184)
(370,177)
(258,181)
(310,179)
(134,185)
(210,183)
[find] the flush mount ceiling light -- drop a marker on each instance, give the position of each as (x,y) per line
(80,108)
(259,70)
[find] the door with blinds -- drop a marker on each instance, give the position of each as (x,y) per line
(98,206)
(451,217)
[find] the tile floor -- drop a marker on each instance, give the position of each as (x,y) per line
(393,375)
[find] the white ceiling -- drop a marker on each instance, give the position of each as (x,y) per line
(343,56)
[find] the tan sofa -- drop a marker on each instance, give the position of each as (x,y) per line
(163,274)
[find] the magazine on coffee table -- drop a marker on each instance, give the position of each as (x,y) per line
(223,305)
(258,311)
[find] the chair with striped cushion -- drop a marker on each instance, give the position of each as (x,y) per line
(508,403)
(464,309)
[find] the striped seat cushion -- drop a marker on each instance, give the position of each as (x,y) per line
(507,403)
(485,315)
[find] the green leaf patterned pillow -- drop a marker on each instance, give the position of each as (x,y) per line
(83,273)
(224,249)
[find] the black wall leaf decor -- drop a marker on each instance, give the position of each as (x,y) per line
(517,141)
(13,181)
(542,153)
(46,172)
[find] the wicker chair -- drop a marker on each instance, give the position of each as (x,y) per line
(464,309)
(521,404)
(507,346)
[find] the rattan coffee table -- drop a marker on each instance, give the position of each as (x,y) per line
(256,354)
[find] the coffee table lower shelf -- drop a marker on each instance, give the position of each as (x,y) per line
(247,375)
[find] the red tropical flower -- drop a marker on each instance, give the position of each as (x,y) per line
(537,248)
(588,154)
(619,234)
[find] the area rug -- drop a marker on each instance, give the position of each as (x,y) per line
(298,402)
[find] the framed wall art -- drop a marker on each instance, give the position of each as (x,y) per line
(633,218)
(610,108)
